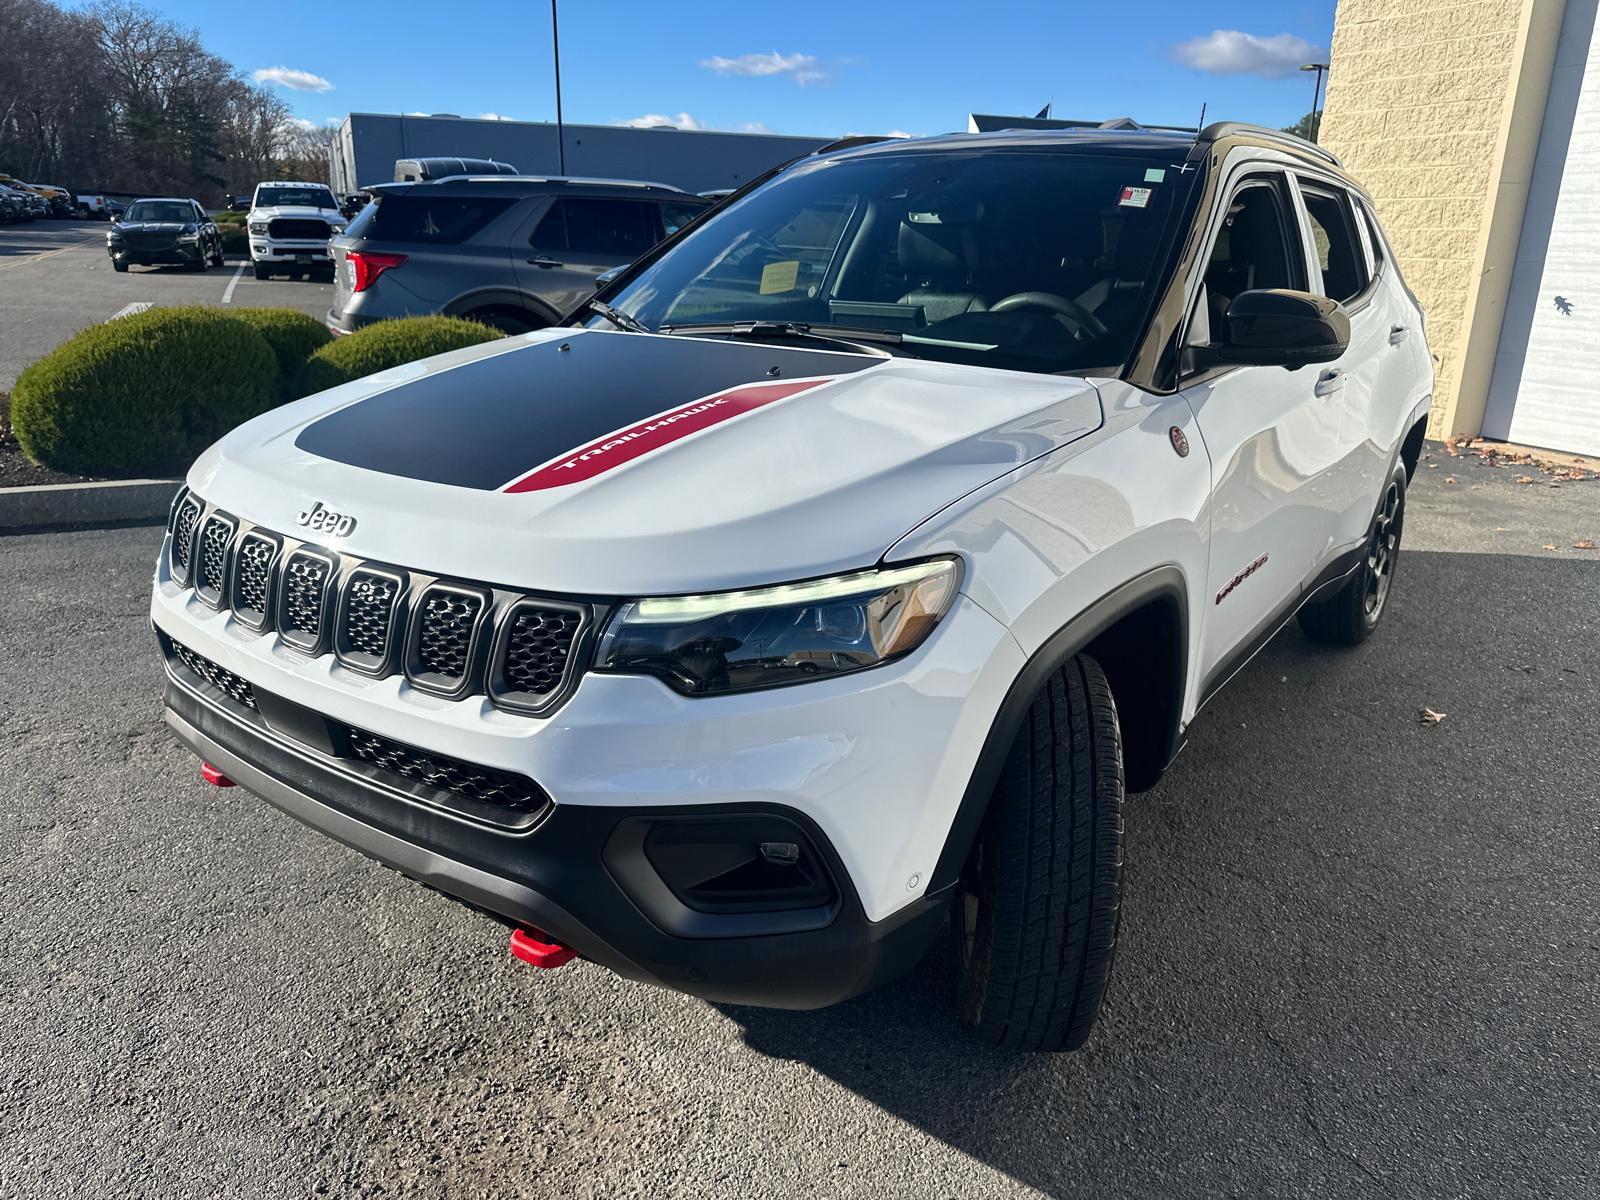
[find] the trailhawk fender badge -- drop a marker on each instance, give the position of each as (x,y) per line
(1241,577)
(325,520)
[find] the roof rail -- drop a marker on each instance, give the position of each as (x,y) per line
(1225,129)
(850,143)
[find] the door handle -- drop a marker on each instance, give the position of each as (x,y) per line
(544,260)
(1331,382)
(1397,334)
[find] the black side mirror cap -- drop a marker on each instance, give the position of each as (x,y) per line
(1275,327)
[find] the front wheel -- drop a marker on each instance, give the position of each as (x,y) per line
(1035,915)
(263,271)
(118,266)
(1348,617)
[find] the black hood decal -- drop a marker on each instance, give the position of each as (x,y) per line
(487,423)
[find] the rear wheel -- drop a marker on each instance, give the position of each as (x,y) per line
(1349,616)
(1036,912)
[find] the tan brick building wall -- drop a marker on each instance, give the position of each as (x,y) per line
(1435,107)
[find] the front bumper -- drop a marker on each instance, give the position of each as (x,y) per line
(556,877)
(179,255)
(264,250)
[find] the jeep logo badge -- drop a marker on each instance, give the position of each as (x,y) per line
(325,520)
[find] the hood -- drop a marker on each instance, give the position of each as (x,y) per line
(151,226)
(599,463)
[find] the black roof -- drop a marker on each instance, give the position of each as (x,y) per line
(530,185)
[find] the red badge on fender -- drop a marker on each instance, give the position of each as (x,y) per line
(1180,441)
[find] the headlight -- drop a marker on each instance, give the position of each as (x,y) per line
(335,230)
(258,226)
(767,637)
(189,237)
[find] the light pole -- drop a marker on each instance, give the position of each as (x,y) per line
(561,138)
(1314,126)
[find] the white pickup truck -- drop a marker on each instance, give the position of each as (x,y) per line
(290,224)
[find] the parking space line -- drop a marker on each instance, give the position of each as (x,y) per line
(47,254)
(127,310)
(227,296)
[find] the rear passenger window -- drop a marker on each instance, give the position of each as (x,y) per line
(1344,268)
(621,228)
(439,220)
(675,216)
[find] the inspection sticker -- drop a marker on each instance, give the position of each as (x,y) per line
(1154,175)
(1133,197)
(779,277)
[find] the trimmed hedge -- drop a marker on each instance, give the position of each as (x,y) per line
(235,239)
(146,389)
(293,336)
(231,218)
(385,344)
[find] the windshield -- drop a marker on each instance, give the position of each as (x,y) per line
(160,210)
(1035,260)
(281,196)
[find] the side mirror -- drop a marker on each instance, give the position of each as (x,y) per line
(1280,328)
(606,277)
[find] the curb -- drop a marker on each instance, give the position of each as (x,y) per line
(74,503)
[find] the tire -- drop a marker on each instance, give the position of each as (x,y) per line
(118,267)
(1035,916)
(198,266)
(1349,616)
(217,260)
(263,271)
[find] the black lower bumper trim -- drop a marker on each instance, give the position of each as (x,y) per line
(554,876)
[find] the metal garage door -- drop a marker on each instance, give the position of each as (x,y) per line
(1546,385)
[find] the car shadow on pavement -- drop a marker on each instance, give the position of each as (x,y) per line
(1354,947)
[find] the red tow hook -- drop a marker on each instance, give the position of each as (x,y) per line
(538,948)
(213,776)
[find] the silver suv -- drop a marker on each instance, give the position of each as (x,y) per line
(518,253)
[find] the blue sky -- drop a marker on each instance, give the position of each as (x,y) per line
(821,68)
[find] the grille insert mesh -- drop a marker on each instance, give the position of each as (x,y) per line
(445,641)
(499,788)
(183,535)
(305,579)
(252,573)
(237,689)
(537,648)
(369,608)
(212,567)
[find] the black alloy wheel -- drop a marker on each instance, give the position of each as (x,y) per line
(1350,615)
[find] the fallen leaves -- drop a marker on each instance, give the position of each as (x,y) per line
(1524,478)
(1449,478)
(1549,545)
(1586,544)
(1428,717)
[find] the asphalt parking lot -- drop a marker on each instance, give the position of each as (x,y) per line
(56,280)
(1359,956)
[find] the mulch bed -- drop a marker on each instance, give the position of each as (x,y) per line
(17,471)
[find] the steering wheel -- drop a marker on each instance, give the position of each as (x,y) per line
(1080,317)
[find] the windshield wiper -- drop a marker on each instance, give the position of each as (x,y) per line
(620,319)
(843,335)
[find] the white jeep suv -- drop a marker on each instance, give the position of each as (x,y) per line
(825,583)
(290,224)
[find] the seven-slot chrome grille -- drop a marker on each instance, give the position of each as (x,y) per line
(449,638)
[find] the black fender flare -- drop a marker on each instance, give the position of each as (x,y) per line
(1163,585)
(503,298)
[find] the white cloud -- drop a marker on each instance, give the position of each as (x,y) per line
(803,68)
(300,81)
(494,117)
(302,123)
(1232,52)
(685,121)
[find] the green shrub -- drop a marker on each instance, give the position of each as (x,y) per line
(144,390)
(235,239)
(293,336)
(231,218)
(385,344)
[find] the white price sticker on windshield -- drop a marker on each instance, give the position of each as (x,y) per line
(1134,197)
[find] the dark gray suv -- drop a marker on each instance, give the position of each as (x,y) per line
(517,253)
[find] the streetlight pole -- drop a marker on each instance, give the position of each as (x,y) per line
(561,138)
(1315,124)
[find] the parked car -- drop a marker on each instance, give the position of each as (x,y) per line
(826,582)
(290,224)
(34,204)
(353,204)
(241,204)
(94,207)
(13,206)
(517,253)
(164,231)
(61,200)
(420,170)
